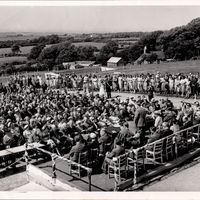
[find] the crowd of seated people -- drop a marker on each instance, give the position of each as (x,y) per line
(77,122)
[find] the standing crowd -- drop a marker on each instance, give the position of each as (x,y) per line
(183,85)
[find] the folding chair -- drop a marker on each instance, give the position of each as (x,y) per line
(138,158)
(117,167)
(155,153)
(75,168)
(169,147)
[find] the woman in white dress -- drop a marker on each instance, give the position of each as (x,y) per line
(102,88)
(95,82)
(171,84)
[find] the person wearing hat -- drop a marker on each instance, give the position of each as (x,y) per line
(196,106)
(28,133)
(188,111)
(175,127)
(92,141)
(17,138)
(150,91)
(186,122)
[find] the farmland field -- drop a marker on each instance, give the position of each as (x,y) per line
(126,39)
(173,67)
(99,45)
(6,38)
(11,59)
(24,50)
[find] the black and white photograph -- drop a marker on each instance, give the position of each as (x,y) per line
(99,98)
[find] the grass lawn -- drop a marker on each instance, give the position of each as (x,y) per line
(24,50)
(11,59)
(172,67)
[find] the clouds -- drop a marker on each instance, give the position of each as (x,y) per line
(95,19)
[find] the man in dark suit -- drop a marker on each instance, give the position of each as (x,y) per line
(79,147)
(117,151)
(108,87)
(155,135)
(103,140)
(140,121)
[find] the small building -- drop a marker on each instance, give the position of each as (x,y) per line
(78,64)
(86,63)
(75,66)
(115,62)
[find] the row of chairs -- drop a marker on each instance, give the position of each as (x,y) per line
(156,153)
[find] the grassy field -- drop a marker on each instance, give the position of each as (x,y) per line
(172,67)
(24,50)
(11,59)
(5,37)
(99,45)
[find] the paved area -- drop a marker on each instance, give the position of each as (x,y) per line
(175,100)
(29,187)
(13,181)
(186,180)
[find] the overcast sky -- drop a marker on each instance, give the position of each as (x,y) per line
(95,19)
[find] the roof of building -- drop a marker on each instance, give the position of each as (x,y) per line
(88,62)
(114,59)
(84,63)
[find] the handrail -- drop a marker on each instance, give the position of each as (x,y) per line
(55,156)
(173,134)
(65,159)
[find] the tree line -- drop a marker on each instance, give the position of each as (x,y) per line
(180,43)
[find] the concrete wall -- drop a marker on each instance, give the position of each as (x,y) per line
(38,176)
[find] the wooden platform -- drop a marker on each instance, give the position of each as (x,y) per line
(101,182)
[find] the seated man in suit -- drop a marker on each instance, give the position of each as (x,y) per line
(165,130)
(154,136)
(103,140)
(117,151)
(79,147)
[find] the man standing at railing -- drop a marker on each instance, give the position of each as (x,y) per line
(140,120)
